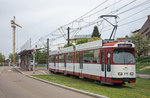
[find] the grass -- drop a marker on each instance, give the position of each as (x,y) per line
(145,71)
(140,89)
(40,66)
(4,65)
(142,65)
(142,62)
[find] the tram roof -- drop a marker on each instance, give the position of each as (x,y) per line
(66,50)
(93,45)
(119,44)
(53,52)
(89,45)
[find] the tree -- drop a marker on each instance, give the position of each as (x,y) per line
(11,56)
(93,39)
(41,57)
(1,57)
(96,32)
(38,56)
(141,43)
(66,45)
(81,41)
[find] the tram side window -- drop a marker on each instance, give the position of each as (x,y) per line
(61,58)
(91,56)
(51,59)
(69,57)
(56,59)
(102,58)
(77,57)
(108,62)
(96,56)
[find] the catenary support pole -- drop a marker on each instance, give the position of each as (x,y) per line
(14,44)
(33,63)
(47,54)
(68,36)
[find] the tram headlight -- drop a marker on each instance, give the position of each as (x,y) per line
(131,73)
(120,73)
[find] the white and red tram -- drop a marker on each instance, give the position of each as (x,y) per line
(112,62)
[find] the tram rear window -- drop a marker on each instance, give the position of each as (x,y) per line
(123,56)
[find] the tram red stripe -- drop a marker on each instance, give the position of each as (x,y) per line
(100,78)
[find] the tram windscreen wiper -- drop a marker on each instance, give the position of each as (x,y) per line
(123,59)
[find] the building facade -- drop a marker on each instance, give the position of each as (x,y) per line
(145,29)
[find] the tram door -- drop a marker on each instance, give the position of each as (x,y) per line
(105,67)
(54,63)
(65,65)
(81,63)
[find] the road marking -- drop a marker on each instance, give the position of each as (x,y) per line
(9,70)
(43,72)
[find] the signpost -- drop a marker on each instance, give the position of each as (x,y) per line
(19,61)
(3,59)
(34,51)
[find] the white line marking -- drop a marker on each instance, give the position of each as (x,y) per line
(9,70)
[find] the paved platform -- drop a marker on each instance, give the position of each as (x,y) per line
(16,85)
(37,71)
(44,72)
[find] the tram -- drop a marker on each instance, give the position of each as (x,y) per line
(107,62)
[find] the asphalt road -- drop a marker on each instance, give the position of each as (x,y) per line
(15,85)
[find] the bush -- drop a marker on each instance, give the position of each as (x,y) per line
(81,41)
(143,59)
(4,64)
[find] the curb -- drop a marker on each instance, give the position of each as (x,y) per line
(144,76)
(65,87)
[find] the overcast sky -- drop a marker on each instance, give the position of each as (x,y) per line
(40,17)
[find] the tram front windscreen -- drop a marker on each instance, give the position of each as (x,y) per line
(123,56)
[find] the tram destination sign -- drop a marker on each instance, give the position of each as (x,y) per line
(124,45)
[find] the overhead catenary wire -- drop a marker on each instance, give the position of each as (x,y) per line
(87,12)
(81,18)
(139,5)
(132,21)
(127,23)
(99,6)
(103,9)
(122,7)
(98,20)
(133,13)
